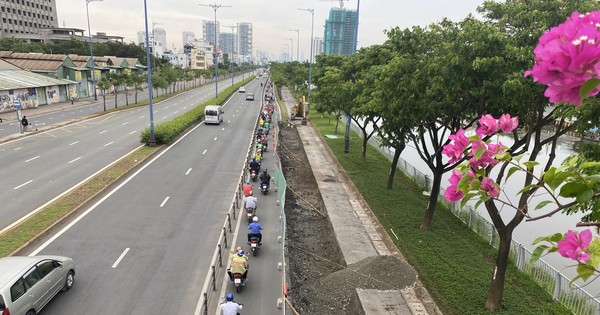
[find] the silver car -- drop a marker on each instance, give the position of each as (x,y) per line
(27,284)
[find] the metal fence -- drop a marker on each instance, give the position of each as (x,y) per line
(572,296)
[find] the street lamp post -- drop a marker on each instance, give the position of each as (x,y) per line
(297,44)
(152,140)
(286,56)
(87,11)
(312,13)
(215,54)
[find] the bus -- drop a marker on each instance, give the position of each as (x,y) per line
(213,114)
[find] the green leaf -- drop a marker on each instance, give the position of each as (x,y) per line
(526,188)
(589,165)
(531,164)
(588,86)
(543,204)
(584,272)
(479,202)
(466,198)
(558,179)
(537,253)
(548,176)
(585,196)
(479,153)
(539,239)
(571,190)
(511,171)
(556,237)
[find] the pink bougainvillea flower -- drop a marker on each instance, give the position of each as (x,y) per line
(455,150)
(567,56)
(507,123)
(485,159)
(490,186)
(452,194)
(488,125)
(575,244)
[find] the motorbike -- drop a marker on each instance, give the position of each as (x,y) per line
(254,245)
(250,213)
(253,174)
(264,188)
(238,281)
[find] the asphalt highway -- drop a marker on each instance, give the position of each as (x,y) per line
(145,247)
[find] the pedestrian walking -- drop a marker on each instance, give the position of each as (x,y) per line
(72,100)
(25,124)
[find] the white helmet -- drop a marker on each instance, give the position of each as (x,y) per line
(255,219)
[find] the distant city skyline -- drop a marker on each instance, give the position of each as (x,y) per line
(271,20)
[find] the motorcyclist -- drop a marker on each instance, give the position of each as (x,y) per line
(265,178)
(254,166)
(247,189)
(230,307)
(258,156)
(255,229)
(238,264)
(250,202)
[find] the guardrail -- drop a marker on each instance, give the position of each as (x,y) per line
(574,297)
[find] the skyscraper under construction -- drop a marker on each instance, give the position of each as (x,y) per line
(340,32)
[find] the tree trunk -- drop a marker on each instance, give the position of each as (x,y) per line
(494,299)
(397,151)
(126,97)
(115,98)
(435,190)
(104,101)
(136,95)
(364,148)
(337,123)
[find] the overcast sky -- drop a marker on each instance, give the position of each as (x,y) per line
(271,19)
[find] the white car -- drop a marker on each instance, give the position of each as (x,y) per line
(28,283)
(250,96)
(242,89)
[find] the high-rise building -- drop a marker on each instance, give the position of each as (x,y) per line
(340,32)
(245,40)
(160,42)
(227,42)
(26,17)
(317,46)
(141,35)
(208,31)
(187,37)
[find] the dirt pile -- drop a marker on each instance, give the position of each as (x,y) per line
(320,281)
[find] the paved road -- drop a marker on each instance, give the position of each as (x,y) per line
(41,166)
(145,247)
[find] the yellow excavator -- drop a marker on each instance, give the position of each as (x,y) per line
(299,111)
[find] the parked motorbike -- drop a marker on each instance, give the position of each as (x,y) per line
(254,245)
(264,188)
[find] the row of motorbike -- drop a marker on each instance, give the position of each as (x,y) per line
(238,269)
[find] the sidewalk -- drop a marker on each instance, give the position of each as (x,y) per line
(357,231)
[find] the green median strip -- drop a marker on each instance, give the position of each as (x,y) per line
(454,263)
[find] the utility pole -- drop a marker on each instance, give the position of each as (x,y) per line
(215,54)
(297,44)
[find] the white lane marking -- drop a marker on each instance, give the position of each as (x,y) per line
(164,202)
(229,121)
(215,139)
(204,152)
(74,160)
(176,112)
(155,111)
(188,171)
(72,143)
(23,184)
(133,132)
(233,115)
(165,117)
(106,145)
(101,132)
(120,258)
(33,158)
(168,106)
(223,129)
(125,123)
(141,117)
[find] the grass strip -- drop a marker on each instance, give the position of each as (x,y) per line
(454,263)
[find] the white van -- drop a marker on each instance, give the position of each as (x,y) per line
(213,114)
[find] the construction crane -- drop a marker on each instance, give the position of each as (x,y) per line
(341,2)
